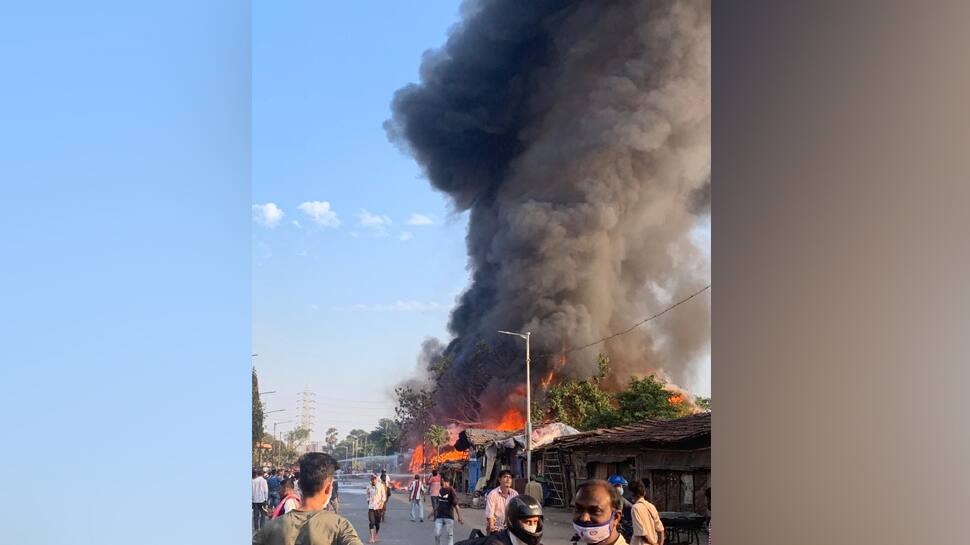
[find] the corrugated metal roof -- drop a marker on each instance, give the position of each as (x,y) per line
(649,431)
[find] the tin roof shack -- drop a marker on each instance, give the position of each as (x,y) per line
(486,456)
(672,457)
(490,451)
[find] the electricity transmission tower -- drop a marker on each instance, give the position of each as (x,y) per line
(307,403)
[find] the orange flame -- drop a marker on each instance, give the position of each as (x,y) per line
(396,485)
(676,399)
(449,456)
(512,420)
(546,380)
(417,459)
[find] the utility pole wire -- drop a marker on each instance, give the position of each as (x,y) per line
(636,325)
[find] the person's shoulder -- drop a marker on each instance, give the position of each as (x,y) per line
(344,531)
(498,538)
(270,528)
(328,519)
(513,493)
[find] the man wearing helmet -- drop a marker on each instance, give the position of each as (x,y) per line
(523,524)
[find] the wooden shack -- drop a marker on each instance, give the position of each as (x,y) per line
(487,455)
(671,457)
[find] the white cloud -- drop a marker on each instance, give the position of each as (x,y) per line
(420,219)
(314,307)
(267,214)
(701,235)
(295,224)
(397,306)
(320,212)
(303,253)
(376,223)
(405,236)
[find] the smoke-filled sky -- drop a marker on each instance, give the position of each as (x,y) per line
(577,135)
(607,154)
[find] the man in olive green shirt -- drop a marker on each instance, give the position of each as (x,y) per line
(309,524)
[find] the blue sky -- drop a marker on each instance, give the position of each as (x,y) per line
(124,157)
(343,292)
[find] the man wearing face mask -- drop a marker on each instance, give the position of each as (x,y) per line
(626,520)
(309,523)
(596,513)
(523,517)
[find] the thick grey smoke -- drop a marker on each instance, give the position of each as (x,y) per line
(577,135)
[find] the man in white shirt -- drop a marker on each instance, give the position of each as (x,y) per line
(376,498)
(647,528)
(260,496)
(496,502)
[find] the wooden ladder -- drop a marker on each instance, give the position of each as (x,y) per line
(555,475)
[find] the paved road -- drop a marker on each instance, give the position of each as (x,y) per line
(397,528)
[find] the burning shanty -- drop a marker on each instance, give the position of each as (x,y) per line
(671,457)
(490,451)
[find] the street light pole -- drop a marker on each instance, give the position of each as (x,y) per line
(353,462)
(528,402)
(275,440)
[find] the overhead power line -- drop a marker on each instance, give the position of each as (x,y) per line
(634,326)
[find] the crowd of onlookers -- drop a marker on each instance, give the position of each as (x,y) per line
(304,508)
(277,492)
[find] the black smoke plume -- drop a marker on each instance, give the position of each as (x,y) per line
(577,136)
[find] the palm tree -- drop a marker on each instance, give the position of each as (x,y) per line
(436,436)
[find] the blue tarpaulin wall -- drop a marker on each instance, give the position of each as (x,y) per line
(474,472)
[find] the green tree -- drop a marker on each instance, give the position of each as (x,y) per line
(436,436)
(331,438)
(583,404)
(413,409)
(646,398)
(297,438)
(258,416)
(438,366)
(388,434)
(703,403)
